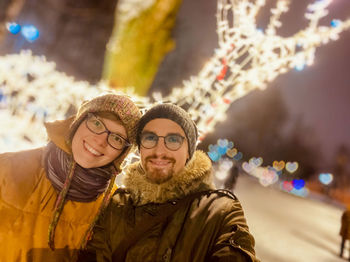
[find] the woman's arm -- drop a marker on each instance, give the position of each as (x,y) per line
(19,173)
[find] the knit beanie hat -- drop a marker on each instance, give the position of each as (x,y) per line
(121,106)
(176,114)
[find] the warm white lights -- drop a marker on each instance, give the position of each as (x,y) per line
(31,90)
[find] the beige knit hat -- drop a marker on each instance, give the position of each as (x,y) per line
(121,106)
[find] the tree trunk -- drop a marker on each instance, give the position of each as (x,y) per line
(138,44)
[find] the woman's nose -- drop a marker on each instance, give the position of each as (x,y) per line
(101,139)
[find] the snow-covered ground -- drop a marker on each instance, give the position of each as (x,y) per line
(289,228)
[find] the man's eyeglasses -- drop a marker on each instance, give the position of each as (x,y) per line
(96,126)
(172,142)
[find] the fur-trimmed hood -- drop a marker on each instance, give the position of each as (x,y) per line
(196,176)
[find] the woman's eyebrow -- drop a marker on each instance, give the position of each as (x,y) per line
(114,132)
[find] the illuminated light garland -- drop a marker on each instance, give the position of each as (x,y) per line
(247,59)
(48,95)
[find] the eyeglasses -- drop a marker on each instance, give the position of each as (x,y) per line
(172,142)
(96,126)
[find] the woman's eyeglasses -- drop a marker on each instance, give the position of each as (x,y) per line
(96,126)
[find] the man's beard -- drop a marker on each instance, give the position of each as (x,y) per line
(157,175)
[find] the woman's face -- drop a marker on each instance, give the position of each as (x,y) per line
(91,150)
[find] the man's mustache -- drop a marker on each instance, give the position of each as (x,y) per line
(172,160)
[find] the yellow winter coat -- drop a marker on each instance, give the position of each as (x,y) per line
(27,201)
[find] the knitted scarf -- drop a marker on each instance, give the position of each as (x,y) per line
(86,184)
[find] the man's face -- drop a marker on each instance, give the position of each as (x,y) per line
(160,163)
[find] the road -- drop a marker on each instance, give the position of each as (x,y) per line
(289,228)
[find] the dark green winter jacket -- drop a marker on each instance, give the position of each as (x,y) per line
(211,227)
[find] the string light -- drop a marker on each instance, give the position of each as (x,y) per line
(248,58)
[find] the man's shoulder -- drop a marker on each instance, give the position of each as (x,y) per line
(218,194)
(221,199)
(224,193)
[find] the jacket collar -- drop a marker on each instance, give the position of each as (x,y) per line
(58,132)
(196,176)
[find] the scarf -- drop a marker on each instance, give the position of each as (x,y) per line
(87,183)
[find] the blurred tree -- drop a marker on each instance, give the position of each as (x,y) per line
(123,42)
(140,39)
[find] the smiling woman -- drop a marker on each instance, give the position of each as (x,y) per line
(45,189)
(94,145)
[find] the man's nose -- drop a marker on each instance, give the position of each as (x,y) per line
(160,148)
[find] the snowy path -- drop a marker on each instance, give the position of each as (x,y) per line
(288,228)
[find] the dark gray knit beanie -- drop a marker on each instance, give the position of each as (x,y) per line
(176,114)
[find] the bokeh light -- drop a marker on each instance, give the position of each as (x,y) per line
(325,178)
(30,33)
(13,28)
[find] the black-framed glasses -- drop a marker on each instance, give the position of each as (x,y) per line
(172,142)
(96,126)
